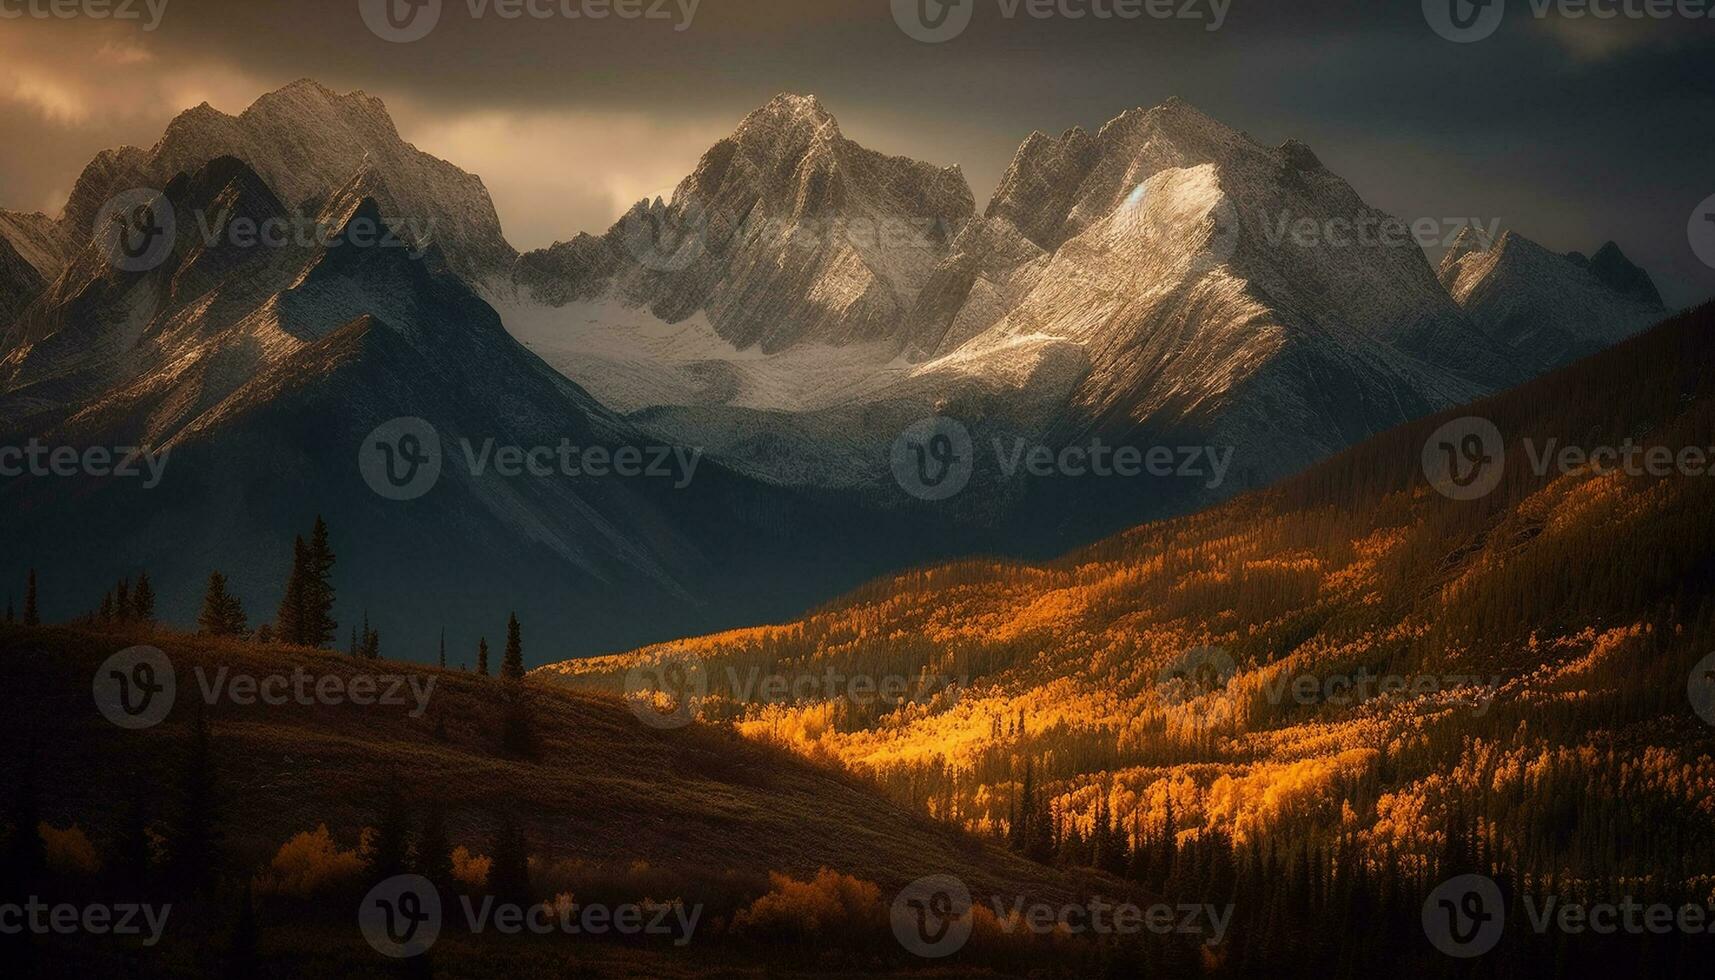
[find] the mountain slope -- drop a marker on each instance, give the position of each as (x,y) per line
(787,233)
(260,372)
(306,141)
(1542,637)
(1549,309)
(32,252)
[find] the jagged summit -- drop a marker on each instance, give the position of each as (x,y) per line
(787,233)
(1547,307)
(308,142)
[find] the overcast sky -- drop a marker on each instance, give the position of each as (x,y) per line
(1570,131)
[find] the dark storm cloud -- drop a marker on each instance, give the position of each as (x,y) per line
(1568,130)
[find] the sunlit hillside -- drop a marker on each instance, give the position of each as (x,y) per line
(1348,660)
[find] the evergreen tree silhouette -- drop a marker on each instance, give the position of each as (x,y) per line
(482,657)
(242,956)
(195,843)
(434,857)
(222,612)
(32,616)
(143,601)
(512,666)
(319,626)
(391,847)
(509,872)
(289,622)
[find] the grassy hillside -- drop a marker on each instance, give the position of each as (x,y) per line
(608,806)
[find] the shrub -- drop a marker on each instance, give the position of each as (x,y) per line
(832,905)
(68,851)
(309,864)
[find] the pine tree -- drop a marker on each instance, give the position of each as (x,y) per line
(32,616)
(371,641)
(222,612)
(435,850)
(352,650)
(509,872)
(289,623)
(241,949)
(131,845)
(194,845)
(122,600)
(390,849)
(443,660)
(319,626)
(482,656)
(143,601)
(105,613)
(26,855)
(10,617)
(512,666)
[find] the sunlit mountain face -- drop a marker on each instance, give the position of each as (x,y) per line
(916,488)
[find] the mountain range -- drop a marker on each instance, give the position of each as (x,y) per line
(797,304)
